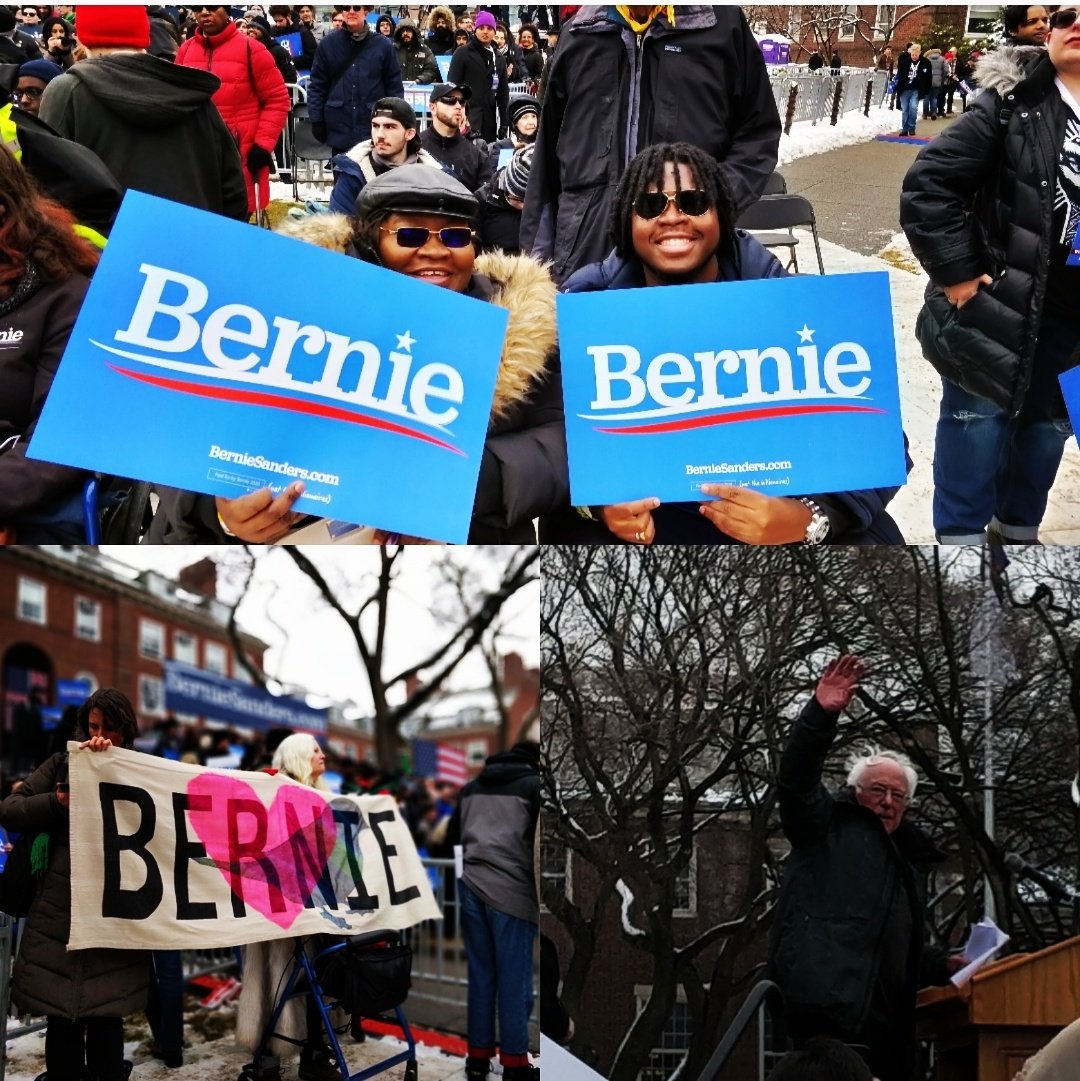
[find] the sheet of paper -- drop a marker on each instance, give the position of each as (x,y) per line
(984,940)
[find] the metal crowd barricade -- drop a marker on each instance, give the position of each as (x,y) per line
(7,959)
(439,971)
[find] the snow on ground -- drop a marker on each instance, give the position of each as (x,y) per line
(807,138)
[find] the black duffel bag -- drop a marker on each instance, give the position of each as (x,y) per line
(367,980)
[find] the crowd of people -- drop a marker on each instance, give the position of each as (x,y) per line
(86,996)
(512,198)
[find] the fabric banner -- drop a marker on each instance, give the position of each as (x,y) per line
(166,855)
(785,385)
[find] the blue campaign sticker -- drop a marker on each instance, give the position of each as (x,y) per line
(210,372)
(787,386)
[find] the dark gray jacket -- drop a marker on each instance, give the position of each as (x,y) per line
(979,199)
(496,824)
(609,96)
(48,979)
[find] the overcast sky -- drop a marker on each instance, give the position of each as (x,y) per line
(310,644)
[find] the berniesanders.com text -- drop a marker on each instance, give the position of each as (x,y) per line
(727,468)
(258,461)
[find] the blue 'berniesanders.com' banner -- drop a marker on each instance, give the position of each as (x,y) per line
(219,358)
(787,386)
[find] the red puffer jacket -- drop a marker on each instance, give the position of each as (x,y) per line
(252,98)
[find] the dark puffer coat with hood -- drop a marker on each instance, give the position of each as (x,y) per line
(416,60)
(979,199)
(48,979)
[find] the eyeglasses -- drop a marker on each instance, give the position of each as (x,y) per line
(414,236)
(691,201)
(350,7)
(1062,20)
(31,92)
(880,791)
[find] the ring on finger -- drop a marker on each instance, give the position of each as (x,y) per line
(639,536)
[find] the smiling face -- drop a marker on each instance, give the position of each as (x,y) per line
(676,247)
(882,788)
(526,40)
(355,17)
(433,262)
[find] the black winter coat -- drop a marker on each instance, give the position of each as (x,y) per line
(979,199)
(923,74)
(48,979)
(609,96)
(460,157)
(838,886)
(475,65)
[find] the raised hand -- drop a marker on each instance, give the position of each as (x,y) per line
(839,682)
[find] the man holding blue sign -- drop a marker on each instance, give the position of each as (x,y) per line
(296,38)
(992,210)
(673,220)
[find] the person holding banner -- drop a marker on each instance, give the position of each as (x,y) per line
(418,221)
(674,223)
(44,275)
(85,994)
(992,210)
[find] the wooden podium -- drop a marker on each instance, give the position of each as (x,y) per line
(985,1030)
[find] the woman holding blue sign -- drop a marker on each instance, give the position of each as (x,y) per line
(674,224)
(44,275)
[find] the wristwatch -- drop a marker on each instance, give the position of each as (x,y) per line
(817,529)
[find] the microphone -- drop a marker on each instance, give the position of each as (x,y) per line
(1022,869)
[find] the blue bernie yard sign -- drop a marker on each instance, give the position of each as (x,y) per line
(787,386)
(219,358)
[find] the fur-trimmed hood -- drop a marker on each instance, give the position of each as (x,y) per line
(520,284)
(435,12)
(1002,69)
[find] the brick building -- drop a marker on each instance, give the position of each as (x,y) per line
(71,614)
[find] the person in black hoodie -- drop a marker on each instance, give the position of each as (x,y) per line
(477,65)
(284,25)
(725,514)
(496,821)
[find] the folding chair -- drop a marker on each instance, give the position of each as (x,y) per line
(776,212)
(307,149)
(115,510)
(336,973)
(775,185)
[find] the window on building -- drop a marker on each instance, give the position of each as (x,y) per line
(30,604)
(151,696)
(87,619)
(151,639)
(983,20)
(848,18)
(674,1040)
(886,15)
(686,888)
(555,867)
(216,658)
(476,751)
(185,648)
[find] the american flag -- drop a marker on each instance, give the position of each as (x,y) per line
(439,761)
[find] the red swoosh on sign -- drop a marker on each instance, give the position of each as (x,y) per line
(292,405)
(734,418)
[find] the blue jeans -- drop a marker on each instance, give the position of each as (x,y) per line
(909,109)
(165,1000)
(499,949)
(990,468)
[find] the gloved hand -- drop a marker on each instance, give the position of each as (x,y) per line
(318,129)
(259,159)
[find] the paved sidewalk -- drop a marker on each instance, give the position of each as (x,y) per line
(855,191)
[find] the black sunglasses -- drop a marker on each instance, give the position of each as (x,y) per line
(1062,20)
(691,201)
(350,7)
(452,101)
(204,7)
(415,236)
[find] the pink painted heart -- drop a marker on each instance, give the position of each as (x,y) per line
(270,856)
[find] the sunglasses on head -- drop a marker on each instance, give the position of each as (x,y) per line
(1062,20)
(415,236)
(690,201)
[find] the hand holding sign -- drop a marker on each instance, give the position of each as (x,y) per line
(259,517)
(754,518)
(632,522)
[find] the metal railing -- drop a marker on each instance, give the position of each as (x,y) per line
(763,992)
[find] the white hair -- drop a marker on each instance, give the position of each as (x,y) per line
(293,758)
(858,764)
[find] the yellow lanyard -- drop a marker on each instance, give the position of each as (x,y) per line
(640,28)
